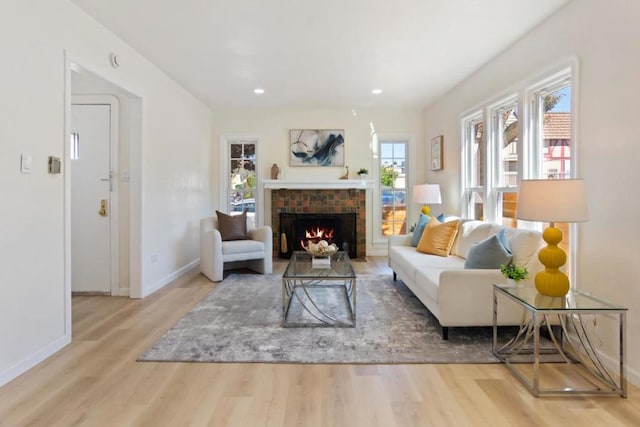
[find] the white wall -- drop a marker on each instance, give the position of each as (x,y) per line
(173,175)
(604,36)
(273,126)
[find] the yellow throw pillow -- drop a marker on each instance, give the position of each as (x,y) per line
(438,237)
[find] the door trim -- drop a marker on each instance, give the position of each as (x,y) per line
(114,228)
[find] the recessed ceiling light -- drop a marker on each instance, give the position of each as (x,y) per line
(258,91)
(376,91)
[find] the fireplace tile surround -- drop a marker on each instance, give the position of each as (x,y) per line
(314,200)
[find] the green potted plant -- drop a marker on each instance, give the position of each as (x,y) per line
(362,173)
(514,272)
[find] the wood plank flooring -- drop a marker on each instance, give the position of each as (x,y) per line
(96,381)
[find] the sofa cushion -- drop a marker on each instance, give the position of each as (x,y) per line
(232,227)
(492,252)
(241,246)
(428,278)
(471,232)
(419,229)
(524,244)
(438,237)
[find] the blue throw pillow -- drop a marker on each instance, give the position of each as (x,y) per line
(419,229)
(490,253)
(441,217)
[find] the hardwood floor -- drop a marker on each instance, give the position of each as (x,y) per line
(96,381)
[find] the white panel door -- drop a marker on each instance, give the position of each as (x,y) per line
(90,186)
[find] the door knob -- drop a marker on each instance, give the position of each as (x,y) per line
(103,207)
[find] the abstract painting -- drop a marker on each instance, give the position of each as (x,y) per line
(316,147)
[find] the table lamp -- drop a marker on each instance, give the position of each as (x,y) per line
(427,194)
(552,200)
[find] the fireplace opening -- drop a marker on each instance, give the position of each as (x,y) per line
(298,229)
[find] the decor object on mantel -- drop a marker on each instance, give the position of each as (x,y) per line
(427,194)
(362,173)
(275,171)
(346,173)
(552,200)
(393,327)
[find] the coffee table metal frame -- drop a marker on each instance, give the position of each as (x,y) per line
(301,275)
(565,320)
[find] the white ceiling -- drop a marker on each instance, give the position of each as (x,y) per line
(319,53)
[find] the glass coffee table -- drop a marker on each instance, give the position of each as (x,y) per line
(320,292)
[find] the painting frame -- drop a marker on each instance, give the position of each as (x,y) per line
(316,147)
(436,153)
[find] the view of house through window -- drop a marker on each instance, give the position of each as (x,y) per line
(242,178)
(555,142)
(393,187)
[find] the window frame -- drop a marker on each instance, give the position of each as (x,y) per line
(526,93)
(377,140)
(224,172)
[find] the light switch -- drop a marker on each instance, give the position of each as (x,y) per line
(25,163)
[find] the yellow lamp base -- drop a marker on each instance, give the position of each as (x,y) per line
(552,282)
(426,210)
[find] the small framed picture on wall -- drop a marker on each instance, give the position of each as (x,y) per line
(436,153)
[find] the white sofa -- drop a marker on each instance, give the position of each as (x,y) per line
(454,295)
(217,255)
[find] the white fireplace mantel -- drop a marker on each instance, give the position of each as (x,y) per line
(334,184)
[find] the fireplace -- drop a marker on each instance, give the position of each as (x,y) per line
(297,229)
(329,201)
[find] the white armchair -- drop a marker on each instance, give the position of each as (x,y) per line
(217,255)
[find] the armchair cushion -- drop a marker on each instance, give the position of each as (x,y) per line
(232,227)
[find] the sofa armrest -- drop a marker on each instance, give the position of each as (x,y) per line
(399,240)
(262,234)
(211,263)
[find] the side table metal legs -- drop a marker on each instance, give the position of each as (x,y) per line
(569,342)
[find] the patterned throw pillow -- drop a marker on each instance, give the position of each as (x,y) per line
(438,237)
(232,227)
(490,253)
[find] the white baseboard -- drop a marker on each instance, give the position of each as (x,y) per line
(122,292)
(377,251)
(30,361)
(169,278)
(613,365)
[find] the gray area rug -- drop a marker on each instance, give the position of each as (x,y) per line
(240,321)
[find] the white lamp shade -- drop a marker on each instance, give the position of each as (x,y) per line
(427,194)
(552,200)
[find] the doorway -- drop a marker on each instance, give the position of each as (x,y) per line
(94,196)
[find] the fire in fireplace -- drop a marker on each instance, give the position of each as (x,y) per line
(298,229)
(316,234)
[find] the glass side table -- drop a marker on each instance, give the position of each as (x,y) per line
(566,321)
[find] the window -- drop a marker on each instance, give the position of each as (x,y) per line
(241,184)
(552,141)
(393,187)
(527,134)
(503,185)
(473,131)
